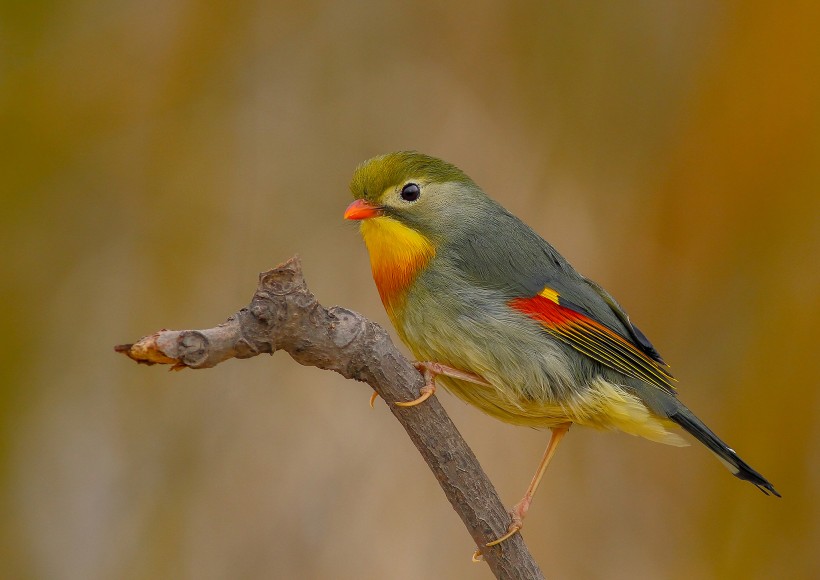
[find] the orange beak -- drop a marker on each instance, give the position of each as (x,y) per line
(361,210)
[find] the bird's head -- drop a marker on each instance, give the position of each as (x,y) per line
(417,191)
(408,204)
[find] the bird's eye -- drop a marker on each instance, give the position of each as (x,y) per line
(410,192)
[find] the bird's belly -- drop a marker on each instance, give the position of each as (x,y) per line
(531,376)
(531,413)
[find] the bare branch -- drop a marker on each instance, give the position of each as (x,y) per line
(285,315)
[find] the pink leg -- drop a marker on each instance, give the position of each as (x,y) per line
(521,508)
(431,370)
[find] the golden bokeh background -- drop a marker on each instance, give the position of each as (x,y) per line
(157,155)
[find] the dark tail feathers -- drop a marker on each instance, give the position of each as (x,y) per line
(686,419)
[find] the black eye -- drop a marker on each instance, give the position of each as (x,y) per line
(410,192)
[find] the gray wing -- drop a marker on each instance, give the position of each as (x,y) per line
(523,264)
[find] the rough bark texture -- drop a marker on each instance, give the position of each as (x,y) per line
(285,315)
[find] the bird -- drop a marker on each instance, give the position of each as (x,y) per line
(494,314)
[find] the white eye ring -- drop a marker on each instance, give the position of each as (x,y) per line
(410,192)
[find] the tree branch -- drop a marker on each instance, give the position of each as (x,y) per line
(285,315)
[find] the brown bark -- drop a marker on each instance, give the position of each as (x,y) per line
(285,315)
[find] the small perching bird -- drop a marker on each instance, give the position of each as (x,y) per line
(504,322)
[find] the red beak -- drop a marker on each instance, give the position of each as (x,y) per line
(361,210)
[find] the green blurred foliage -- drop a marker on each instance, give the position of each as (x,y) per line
(157,155)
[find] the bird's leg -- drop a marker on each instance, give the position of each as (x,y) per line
(520,510)
(430,370)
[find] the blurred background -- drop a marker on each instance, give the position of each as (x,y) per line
(159,154)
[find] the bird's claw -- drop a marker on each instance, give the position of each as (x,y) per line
(431,370)
(426,391)
(515,526)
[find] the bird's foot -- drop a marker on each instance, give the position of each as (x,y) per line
(430,370)
(435,369)
(517,522)
(520,510)
(427,391)
(514,527)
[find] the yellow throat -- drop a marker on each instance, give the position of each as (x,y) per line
(397,255)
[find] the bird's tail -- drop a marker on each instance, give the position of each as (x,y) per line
(686,419)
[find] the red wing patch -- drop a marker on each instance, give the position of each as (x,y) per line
(593,339)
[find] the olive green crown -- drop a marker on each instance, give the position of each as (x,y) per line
(375,175)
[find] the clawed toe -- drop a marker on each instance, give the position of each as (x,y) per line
(515,527)
(426,391)
(430,370)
